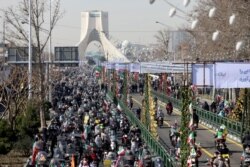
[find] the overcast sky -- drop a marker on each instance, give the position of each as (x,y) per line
(132,20)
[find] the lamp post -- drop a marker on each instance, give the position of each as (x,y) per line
(30,56)
(50,32)
(50,55)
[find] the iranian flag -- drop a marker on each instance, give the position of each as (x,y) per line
(121,151)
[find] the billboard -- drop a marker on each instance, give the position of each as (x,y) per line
(203,74)
(66,54)
(232,75)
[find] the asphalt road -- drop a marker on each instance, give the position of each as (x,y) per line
(205,136)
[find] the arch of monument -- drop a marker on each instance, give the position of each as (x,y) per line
(95,27)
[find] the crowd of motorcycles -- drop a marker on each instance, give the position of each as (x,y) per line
(221,157)
(88,130)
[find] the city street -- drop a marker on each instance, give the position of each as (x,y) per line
(205,136)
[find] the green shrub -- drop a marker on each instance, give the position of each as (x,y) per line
(4,128)
(24,145)
(6,137)
(5,146)
(28,122)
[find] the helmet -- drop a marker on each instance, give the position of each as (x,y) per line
(222,126)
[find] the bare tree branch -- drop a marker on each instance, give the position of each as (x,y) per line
(17,35)
(162,38)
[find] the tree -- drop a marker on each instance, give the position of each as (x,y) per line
(229,35)
(185,115)
(13,95)
(162,38)
(17,35)
(225,47)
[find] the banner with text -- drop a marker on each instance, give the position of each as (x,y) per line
(110,66)
(121,66)
(232,75)
(153,68)
(203,74)
(135,67)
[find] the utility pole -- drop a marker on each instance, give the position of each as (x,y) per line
(30,55)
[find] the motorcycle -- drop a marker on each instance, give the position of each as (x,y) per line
(192,162)
(226,159)
(173,140)
(245,158)
(169,108)
(160,121)
(218,142)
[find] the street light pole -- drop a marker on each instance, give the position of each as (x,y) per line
(30,55)
(50,32)
(50,55)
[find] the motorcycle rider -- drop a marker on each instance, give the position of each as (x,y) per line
(195,118)
(169,108)
(223,150)
(219,161)
(192,138)
(173,131)
(246,140)
(160,114)
(220,135)
(225,132)
(37,146)
(245,157)
(195,153)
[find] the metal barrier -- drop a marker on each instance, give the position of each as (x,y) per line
(234,128)
(148,138)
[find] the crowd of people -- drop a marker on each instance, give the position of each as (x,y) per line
(88,130)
